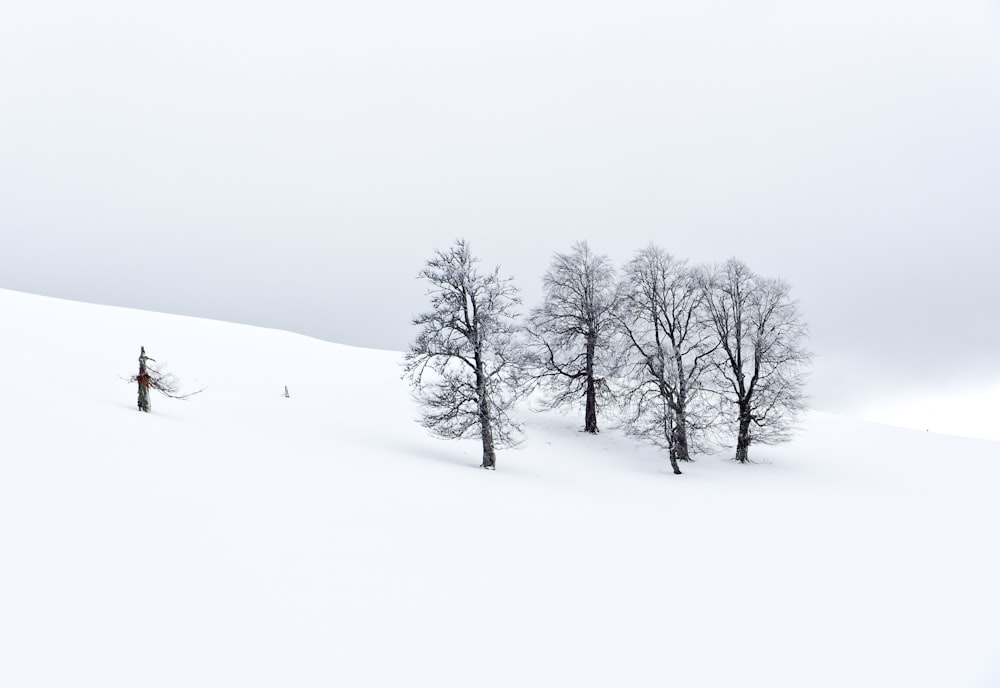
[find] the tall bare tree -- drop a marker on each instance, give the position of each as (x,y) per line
(761,358)
(669,348)
(570,333)
(465,366)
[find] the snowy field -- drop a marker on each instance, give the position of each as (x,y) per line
(240,538)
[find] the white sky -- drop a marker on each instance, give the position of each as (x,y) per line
(291,164)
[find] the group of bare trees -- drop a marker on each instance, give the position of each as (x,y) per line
(687,358)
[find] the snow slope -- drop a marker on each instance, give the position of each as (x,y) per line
(240,538)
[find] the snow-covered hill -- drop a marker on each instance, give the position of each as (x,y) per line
(240,538)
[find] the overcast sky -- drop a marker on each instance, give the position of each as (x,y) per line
(291,164)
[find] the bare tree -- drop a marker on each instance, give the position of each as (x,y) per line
(156,377)
(668,349)
(761,357)
(465,366)
(570,333)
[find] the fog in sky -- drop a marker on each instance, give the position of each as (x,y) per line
(291,164)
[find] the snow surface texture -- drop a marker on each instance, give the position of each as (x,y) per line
(240,538)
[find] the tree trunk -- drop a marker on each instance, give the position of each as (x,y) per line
(489,453)
(590,413)
(743,438)
(680,410)
(143,380)
(673,461)
(485,421)
(680,436)
(670,435)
